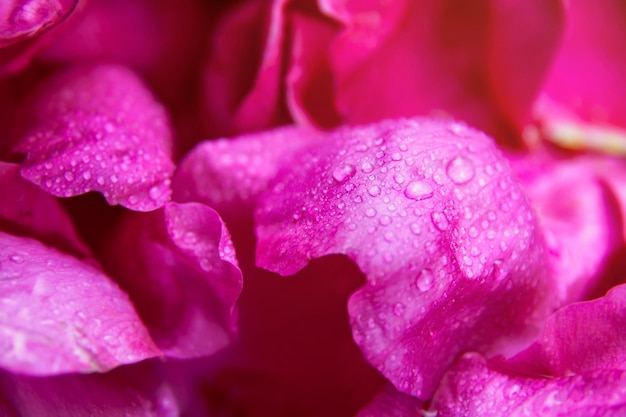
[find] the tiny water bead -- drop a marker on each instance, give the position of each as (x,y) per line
(418,190)
(342,173)
(460,170)
(424,280)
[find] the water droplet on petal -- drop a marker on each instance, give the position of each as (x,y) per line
(374,190)
(384,220)
(17,259)
(460,170)
(440,221)
(367,167)
(68,176)
(418,190)
(370,212)
(424,281)
(398,309)
(342,173)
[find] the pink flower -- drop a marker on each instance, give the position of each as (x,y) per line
(446,206)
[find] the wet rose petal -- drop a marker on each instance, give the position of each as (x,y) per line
(579,216)
(129,391)
(61,315)
(429,211)
(586,85)
(178,265)
(28,211)
(579,338)
(229,174)
(391,403)
(22,23)
(98,129)
(471,389)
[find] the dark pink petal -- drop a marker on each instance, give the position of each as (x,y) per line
(587,82)
(229,174)
(178,265)
(61,315)
(579,338)
(98,129)
(28,211)
(579,215)
(391,403)
(22,22)
(129,391)
(472,389)
(242,90)
(429,211)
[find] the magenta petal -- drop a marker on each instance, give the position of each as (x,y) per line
(579,338)
(391,403)
(471,389)
(579,216)
(178,265)
(26,210)
(229,174)
(429,211)
(98,129)
(129,391)
(61,315)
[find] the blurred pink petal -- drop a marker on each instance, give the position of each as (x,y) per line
(579,215)
(129,391)
(579,338)
(28,211)
(98,129)
(587,81)
(178,265)
(229,174)
(390,403)
(22,22)
(472,389)
(430,213)
(61,315)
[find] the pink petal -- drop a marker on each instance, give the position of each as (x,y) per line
(98,129)
(579,338)
(61,315)
(22,23)
(130,391)
(579,215)
(390,403)
(229,174)
(429,211)
(28,211)
(242,90)
(587,82)
(473,389)
(178,265)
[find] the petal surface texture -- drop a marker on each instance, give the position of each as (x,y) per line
(430,212)
(61,315)
(98,129)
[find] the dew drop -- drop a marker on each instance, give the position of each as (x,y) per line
(370,212)
(440,221)
(398,309)
(374,190)
(424,281)
(418,190)
(100,180)
(133,199)
(87,175)
(367,167)
(342,173)
(384,220)
(190,237)
(68,176)
(460,170)
(17,259)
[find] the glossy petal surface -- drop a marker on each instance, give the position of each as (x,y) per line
(178,265)
(471,389)
(430,213)
(390,403)
(98,129)
(61,315)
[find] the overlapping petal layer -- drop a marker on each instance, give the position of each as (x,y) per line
(61,315)
(179,267)
(471,389)
(430,213)
(388,402)
(98,128)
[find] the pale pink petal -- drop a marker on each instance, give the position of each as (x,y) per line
(229,174)
(391,403)
(61,315)
(22,22)
(178,265)
(429,211)
(578,214)
(587,82)
(242,90)
(130,391)
(579,338)
(98,129)
(472,389)
(28,211)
